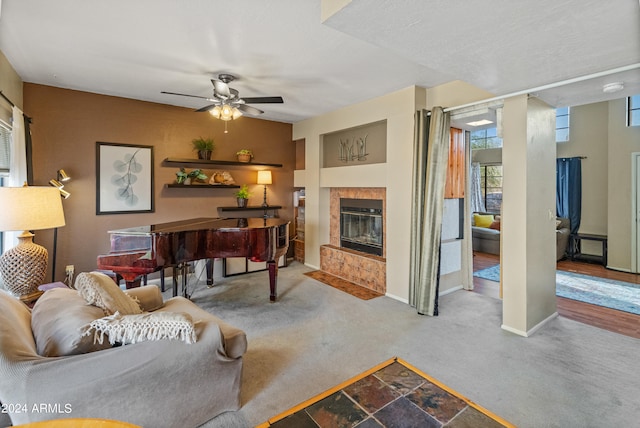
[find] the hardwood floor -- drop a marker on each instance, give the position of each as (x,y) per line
(597,316)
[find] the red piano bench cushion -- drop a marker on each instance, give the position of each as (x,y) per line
(100,290)
(148,296)
(130,329)
(57,320)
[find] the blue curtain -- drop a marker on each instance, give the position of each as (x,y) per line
(569,190)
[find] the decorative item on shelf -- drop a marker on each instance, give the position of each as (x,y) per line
(244,155)
(242,196)
(184,177)
(264,177)
(204,147)
(24,266)
(221,177)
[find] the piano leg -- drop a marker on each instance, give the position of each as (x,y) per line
(209,266)
(182,270)
(273,279)
(132,280)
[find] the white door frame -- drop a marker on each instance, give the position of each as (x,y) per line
(635,211)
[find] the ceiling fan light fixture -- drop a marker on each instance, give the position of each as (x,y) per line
(236,113)
(226,112)
(215,112)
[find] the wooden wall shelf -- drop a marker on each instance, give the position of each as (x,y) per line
(202,186)
(251,208)
(214,162)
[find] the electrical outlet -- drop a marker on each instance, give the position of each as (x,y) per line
(69,269)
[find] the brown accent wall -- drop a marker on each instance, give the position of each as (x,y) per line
(67,124)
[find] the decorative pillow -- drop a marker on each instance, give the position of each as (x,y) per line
(128,329)
(100,290)
(57,321)
(558,223)
(495,225)
(483,220)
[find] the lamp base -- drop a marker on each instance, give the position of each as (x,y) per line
(24,267)
(264,202)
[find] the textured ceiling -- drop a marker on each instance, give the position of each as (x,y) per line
(136,49)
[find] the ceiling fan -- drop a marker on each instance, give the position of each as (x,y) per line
(227,103)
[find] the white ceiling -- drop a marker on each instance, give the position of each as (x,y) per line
(136,49)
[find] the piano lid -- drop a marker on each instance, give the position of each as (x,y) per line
(205,223)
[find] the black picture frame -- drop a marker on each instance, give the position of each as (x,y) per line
(124,178)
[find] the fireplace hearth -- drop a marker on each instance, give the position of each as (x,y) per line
(361,225)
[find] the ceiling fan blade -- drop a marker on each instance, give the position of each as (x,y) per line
(206,108)
(184,95)
(263,100)
(248,109)
(220,88)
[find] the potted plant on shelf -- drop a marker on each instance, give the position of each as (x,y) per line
(184,177)
(197,174)
(244,155)
(242,196)
(204,147)
(181,176)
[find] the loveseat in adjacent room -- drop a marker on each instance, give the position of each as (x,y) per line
(486,229)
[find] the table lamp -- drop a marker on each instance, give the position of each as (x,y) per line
(24,266)
(264,177)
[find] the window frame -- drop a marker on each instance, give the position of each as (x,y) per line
(632,111)
(484,185)
(496,141)
(560,114)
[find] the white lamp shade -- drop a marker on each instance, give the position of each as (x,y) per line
(30,208)
(264,177)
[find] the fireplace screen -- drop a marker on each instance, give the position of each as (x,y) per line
(361,225)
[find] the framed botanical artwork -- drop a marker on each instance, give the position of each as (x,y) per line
(124,178)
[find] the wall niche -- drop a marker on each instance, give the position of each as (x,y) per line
(360,145)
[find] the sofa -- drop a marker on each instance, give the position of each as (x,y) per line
(485,233)
(150,383)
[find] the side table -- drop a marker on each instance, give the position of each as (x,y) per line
(575,247)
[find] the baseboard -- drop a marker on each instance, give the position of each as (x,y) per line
(399,299)
(619,269)
(450,290)
(532,330)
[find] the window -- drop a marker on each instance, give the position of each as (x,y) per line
(485,139)
(5,136)
(491,183)
(562,125)
(633,110)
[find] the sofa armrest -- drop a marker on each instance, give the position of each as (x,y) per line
(149,297)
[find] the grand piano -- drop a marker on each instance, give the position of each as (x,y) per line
(138,251)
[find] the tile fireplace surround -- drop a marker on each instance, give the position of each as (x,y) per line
(366,270)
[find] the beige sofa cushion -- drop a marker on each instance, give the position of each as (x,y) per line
(57,322)
(100,290)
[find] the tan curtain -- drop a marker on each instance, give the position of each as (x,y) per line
(431,150)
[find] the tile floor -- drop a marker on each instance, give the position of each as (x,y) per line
(394,396)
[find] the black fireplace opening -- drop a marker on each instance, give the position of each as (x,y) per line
(361,225)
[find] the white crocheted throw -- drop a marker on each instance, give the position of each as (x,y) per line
(128,329)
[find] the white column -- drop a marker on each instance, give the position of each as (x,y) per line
(528,254)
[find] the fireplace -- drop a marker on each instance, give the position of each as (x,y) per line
(361,225)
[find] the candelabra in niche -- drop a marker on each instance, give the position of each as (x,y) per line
(354,149)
